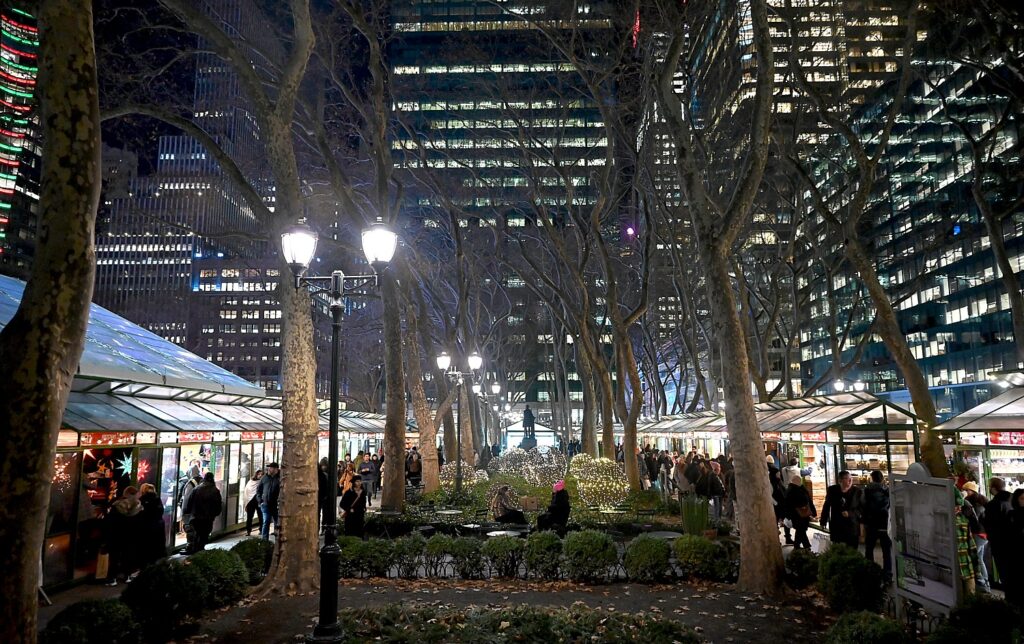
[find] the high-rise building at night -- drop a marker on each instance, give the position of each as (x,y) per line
(20,144)
(504,124)
(931,248)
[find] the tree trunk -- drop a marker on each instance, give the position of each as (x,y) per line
(761,564)
(588,435)
(420,406)
(466,426)
(393,490)
(888,328)
(295,566)
(41,346)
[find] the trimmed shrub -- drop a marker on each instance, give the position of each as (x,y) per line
(647,559)
(434,553)
(504,554)
(589,555)
(226,576)
(94,621)
(407,555)
(348,561)
(801,568)
(164,597)
(849,581)
(704,559)
(544,554)
(467,558)
(372,557)
(1003,622)
(863,627)
(256,555)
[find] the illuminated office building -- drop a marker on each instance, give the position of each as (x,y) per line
(20,145)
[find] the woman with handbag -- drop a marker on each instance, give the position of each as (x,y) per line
(801,509)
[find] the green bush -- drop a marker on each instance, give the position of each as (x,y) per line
(544,554)
(801,568)
(589,555)
(866,628)
(372,557)
(94,621)
(504,554)
(434,553)
(1003,623)
(256,555)
(704,559)
(226,577)
(407,555)
(348,561)
(849,581)
(466,557)
(164,597)
(647,559)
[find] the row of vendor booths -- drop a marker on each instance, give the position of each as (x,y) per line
(143,410)
(853,431)
(859,432)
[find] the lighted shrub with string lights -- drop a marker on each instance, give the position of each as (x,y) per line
(469,475)
(600,481)
(511,463)
(540,466)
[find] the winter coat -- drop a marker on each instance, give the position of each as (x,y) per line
(269,491)
(560,508)
(709,486)
(353,503)
(836,502)
(998,519)
(152,535)
(206,502)
(876,506)
(797,496)
(367,470)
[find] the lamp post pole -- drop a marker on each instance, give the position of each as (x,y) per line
(458,436)
(298,245)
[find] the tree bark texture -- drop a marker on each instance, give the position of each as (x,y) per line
(761,563)
(420,406)
(41,346)
(393,497)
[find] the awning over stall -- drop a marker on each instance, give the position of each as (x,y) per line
(1003,413)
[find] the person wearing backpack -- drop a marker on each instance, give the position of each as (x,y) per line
(876,522)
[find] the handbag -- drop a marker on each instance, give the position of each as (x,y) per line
(102,565)
(804,512)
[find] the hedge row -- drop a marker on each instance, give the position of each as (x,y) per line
(586,555)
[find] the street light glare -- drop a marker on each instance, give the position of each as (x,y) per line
(476,389)
(495,388)
(475,361)
(379,244)
(444,361)
(839,385)
(298,244)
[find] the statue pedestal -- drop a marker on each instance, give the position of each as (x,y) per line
(528,443)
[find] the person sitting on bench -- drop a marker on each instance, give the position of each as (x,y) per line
(557,516)
(504,508)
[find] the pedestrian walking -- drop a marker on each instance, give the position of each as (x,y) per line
(267,494)
(323,483)
(252,503)
(876,522)
(353,509)
(966,550)
(842,510)
(367,472)
(152,531)
(121,534)
(800,508)
(205,506)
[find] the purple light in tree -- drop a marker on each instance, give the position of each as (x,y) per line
(630,231)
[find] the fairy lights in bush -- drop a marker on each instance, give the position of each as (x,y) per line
(600,481)
(469,475)
(542,467)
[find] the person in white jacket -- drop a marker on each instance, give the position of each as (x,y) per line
(252,506)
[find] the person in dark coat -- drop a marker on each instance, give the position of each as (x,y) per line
(353,509)
(876,521)
(800,509)
(121,532)
(322,485)
(205,504)
(998,523)
(267,495)
(778,487)
(152,536)
(557,515)
(842,509)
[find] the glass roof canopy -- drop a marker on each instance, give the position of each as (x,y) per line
(1003,413)
(124,355)
(799,415)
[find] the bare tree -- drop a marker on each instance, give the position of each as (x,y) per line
(42,343)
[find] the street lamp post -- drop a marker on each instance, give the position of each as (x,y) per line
(298,244)
(444,363)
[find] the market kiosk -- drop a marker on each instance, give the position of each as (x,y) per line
(989,438)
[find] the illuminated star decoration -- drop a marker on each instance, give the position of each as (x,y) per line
(143,470)
(125,465)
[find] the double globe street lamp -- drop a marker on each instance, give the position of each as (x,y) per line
(298,245)
(444,363)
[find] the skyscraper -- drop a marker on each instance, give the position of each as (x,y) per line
(20,144)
